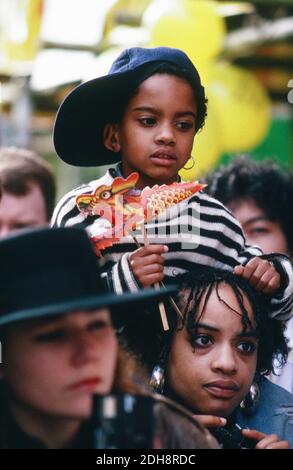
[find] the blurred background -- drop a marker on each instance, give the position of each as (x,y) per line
(243,50)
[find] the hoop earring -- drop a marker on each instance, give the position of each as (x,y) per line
(192,165)
(157,380)
(251,400)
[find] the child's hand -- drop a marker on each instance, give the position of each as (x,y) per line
(147,264)
(265,441)
(261,274)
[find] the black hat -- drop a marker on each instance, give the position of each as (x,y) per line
(48,272)
(80,121)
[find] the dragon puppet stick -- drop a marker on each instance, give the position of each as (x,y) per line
(122,208)
(162,310)
(174,305)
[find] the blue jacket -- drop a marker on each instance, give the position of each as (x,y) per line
(273,413)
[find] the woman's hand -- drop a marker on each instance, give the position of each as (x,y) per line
(147,264)
(265,441)
(210,421)
(261,274)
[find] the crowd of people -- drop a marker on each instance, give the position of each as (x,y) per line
(75,324)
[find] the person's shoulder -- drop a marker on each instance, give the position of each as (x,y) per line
(67,204)
(271,414)
(272,399)
(205,199)
(213,210)
(89,187)
(85,188)
(212,202)
(176,428)
(274,411)
(275,393)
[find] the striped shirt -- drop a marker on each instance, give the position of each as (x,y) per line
(198,231)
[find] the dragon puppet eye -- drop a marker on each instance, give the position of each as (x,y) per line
(106,194)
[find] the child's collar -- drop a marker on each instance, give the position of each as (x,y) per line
(117,171)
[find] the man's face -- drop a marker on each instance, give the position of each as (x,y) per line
(24,211)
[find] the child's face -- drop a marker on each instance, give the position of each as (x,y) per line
(157,131)
(213,369)
(258,228)
(54,366)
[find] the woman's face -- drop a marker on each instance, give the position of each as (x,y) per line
(258,228)
(54,366)
(212,368)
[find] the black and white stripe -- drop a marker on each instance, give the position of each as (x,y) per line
(221,241)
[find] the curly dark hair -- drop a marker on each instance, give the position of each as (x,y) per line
(268,184)
(152,346)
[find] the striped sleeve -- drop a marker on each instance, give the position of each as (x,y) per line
(120,277)
(283,302)
(67,214)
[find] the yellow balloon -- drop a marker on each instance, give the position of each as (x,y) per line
(207,149)
(242,105)
(191,25)
(22,42)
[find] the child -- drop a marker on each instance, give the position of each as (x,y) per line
(145,114)
(60,347)
(214,359)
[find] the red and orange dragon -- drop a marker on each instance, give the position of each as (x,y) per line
(126,208)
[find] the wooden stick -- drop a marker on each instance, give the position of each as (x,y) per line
(162,309)
(135,240)
(175,306)
(145,236)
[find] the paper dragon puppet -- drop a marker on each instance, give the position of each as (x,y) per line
(126,208)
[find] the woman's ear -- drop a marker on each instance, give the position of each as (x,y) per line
(111,138)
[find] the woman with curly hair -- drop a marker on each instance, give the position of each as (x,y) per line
(260,196)
(215,357)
